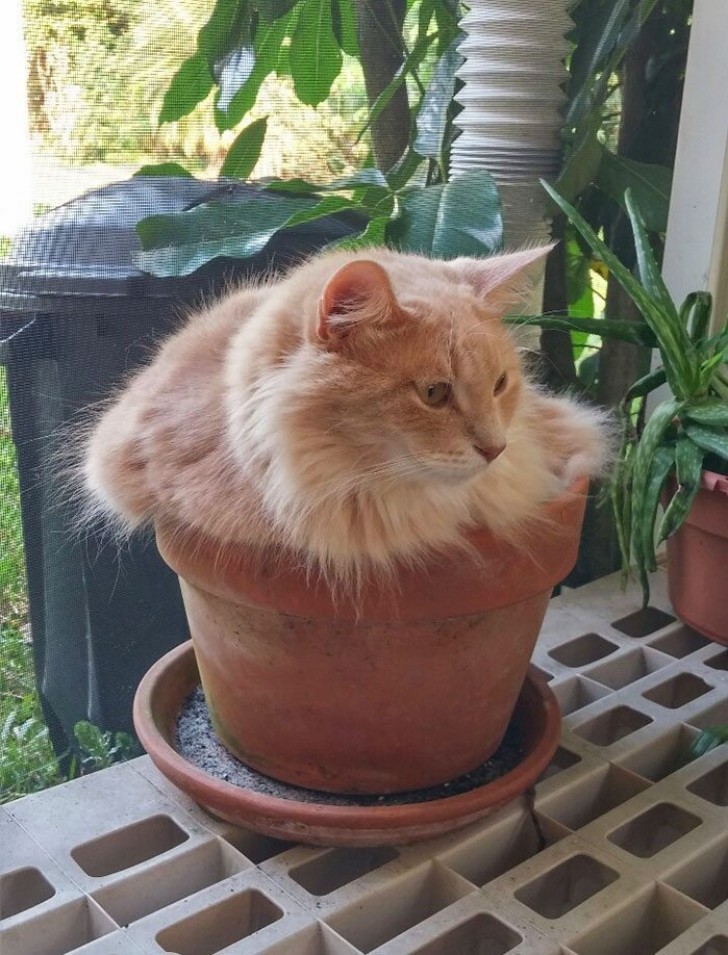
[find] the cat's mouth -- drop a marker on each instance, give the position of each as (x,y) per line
(455,471)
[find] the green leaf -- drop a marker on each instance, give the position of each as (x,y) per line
(579,291)
(412,62)
(188,87)
(708,739)
(375,234)
(275,9)
(218,35)
(643,519)
(461,217)
(673,342)
(630,284)
(647,264)
(268,40)
(620,493)
(695,314)
(633,332)
(164,169)
(709,439)
(600,33)
(180,244)
(643,386)
(584,158)
(432,116)
(652,463)
(424,17)
(688,468)
(588,370)
(447,15)
(609,31)
(363,177)
(661,318)
(245,151)
(406,167)
(314,54)
(232,73)
(343,15)
(324,207)
(649,183)
(712,412)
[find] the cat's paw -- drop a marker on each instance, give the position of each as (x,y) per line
(578,440)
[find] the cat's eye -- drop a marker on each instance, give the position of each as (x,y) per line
(500,385)
(435,394)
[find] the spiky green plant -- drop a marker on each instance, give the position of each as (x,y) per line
(684,427)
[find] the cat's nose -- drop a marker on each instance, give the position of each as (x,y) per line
(489,451)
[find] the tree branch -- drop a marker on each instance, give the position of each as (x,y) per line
(381,46)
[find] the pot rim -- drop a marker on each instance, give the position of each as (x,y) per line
(449,584)
(714,481)
(218,795)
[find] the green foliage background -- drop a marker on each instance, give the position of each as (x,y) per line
(97,76)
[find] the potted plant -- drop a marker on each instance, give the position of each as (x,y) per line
(680,456)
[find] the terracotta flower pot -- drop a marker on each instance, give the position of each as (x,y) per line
(408,687)
(697,558)
(312,818)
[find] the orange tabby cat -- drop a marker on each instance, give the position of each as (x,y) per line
(365,408)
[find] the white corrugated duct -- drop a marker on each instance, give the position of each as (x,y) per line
(696,250)
(512,104)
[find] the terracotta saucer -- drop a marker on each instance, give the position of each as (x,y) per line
(167,686)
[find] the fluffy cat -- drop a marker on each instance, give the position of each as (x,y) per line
(365,408)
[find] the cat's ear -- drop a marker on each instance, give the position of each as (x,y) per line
(359,294)
(503,279)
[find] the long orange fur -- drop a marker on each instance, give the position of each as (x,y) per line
(290,414)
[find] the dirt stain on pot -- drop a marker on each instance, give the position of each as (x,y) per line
(195,741)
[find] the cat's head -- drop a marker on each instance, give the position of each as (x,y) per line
(416,376)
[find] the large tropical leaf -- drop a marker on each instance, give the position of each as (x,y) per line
(432,115)
(649,184)
(713,412)
(232,72)
(315,56)
(343,19)
(584,154)
(188,87)
(235,103)
(180,244)
(461,217)
(371,178)
(375,234)
(606,33)
(227,27)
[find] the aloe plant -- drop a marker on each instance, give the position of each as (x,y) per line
(685,427)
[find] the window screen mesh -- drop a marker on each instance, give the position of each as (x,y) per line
(87,619)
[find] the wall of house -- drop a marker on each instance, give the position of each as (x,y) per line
(696,252)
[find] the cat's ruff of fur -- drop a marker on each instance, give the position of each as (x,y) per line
(292,414)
